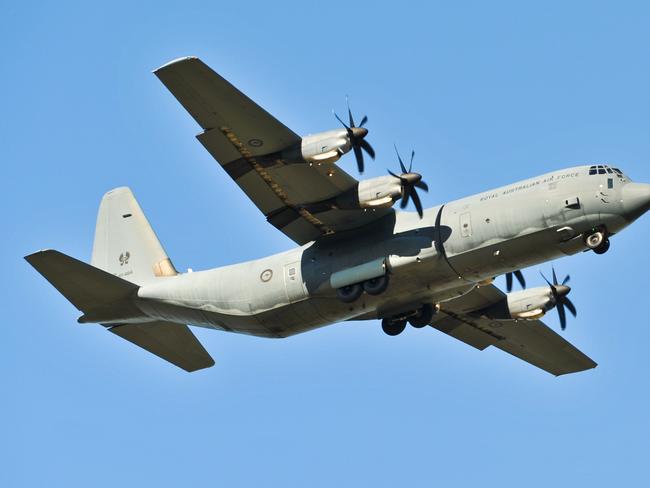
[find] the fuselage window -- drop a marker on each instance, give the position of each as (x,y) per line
(610,183)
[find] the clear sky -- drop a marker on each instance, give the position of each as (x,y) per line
(486,93)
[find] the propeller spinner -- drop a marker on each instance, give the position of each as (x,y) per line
(410,181)
(560,292)
(356,135)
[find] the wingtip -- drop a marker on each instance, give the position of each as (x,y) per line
(31,256)
(205,365)
(591,366)
(175,61)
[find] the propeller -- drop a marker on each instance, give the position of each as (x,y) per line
(560,292)
(520,278)
(410,181)
(356,135)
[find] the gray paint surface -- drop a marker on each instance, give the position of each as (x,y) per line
(444,258)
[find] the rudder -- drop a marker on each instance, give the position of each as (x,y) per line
(125,244)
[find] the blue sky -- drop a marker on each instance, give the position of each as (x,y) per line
(485,92)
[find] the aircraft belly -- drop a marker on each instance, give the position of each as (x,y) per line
(294,319)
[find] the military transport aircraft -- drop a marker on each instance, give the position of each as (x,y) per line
(358,259)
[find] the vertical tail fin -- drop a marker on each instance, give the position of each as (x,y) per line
(125,244)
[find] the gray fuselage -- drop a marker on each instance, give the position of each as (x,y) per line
(444,255)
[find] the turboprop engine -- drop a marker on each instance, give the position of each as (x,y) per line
(533,303)
(529,304)
(328,147)
(373,193)
(384,191)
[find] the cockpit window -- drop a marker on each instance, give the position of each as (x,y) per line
(602,169)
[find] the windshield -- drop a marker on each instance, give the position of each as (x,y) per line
(602,169)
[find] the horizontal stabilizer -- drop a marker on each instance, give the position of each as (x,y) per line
(86,287)
(172,342)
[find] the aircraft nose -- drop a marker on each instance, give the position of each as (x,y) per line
(636,199)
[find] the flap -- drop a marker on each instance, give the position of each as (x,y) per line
(264,157)
(529,340)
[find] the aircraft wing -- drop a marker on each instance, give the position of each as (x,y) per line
(263,156)
(530,340)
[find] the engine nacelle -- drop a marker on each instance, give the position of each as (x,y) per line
(379,192)
(373,193)
(325,147)
(529,304)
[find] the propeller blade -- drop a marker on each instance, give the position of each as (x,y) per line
(422,185)
(342,123)
(350,113)
(520,278)
(417,202)
(560,299)
(401,163)
(367,147)
(440,249)
(409,182)
(562,314)
(359,155)
(363,121)
(547,282)
(405,198)
(569,304)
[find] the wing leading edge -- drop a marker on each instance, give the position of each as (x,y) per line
(263,156)
(531,341)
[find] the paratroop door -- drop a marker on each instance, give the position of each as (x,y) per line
(293,282)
